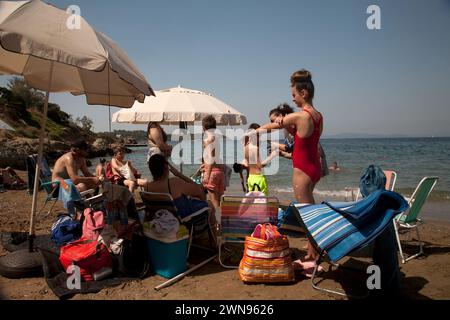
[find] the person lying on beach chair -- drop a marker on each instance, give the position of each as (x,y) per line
(68,165)
(10,179)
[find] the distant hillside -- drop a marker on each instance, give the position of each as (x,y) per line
(139,136)
(21,107)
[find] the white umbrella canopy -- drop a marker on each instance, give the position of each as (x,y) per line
(178,105)
(36,42)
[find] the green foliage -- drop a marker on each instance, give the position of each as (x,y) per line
(56,114)
(24,95)
(84,123)
(23,106)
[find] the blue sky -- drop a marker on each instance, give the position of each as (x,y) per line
(390,81)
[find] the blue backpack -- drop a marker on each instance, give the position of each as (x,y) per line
(372,179)
(65,230)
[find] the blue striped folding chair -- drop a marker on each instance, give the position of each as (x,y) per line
(239,215)
(337,229)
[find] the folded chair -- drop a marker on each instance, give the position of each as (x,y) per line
(197,222)
(408,220)
(339,229)
(50,187)
(239,216)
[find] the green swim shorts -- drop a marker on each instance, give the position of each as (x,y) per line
(257,182)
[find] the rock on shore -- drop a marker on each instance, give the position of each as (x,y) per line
(13,151)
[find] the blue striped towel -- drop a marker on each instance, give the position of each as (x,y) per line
(342,227)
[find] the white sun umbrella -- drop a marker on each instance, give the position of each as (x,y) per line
(180,105)
(38,42)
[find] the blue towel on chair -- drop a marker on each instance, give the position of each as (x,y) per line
(342,227)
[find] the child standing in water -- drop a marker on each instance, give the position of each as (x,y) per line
(256,181)
(213,172)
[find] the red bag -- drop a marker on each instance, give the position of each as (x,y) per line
(90,256)
(114,178)
(93,224)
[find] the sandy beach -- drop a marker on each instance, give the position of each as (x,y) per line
(427,277)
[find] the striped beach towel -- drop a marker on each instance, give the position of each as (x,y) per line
(339,228)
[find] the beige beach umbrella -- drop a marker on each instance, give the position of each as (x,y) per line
(39,42)
(180,105)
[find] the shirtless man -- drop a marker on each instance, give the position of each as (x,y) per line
(68,165)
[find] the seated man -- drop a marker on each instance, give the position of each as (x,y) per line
(178,186)
(68,165)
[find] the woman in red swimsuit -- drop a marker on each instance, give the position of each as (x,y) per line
(308,125)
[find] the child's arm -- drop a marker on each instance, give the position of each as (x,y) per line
(285,154)
(272,155)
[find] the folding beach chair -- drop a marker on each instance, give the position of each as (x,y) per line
(408,220)
(50,187)
(338,229)
(197,222)
(355,193)
(239,215)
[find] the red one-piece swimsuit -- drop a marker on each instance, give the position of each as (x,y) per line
(305,155)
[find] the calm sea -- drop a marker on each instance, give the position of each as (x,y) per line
(411,158)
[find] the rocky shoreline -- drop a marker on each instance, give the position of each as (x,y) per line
(13,151)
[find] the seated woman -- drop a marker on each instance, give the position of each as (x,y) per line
(128,174)
(185,192)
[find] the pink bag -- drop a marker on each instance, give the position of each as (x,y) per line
(266,231)
(93,224)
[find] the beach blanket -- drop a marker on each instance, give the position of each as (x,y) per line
(339,228)
(13,241)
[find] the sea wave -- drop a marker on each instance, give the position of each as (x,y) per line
(328,193)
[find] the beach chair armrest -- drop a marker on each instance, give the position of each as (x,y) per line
(87,192)
(49,183)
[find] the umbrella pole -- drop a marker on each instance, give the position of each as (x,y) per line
(38,164)
(183,125)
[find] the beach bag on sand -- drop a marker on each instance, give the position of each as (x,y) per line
(65,229)
(266,260)
(90,256)
(93,224)
(372,179)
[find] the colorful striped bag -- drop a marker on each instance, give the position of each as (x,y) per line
(266,260)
